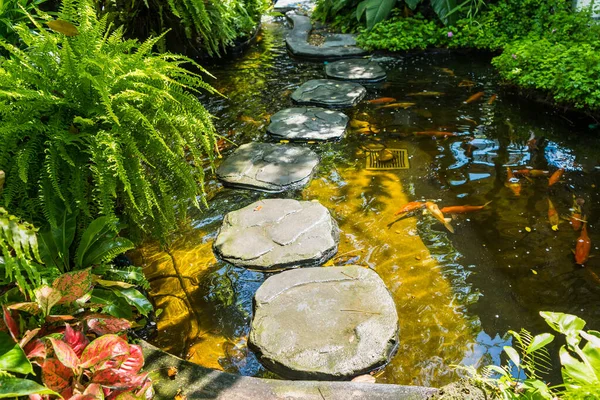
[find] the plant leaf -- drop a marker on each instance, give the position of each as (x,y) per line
(119,379)
(36,349)
(136,299)
(111,303)
(12,356)
(105,324)
(55,375)
(75,339)
(412,4)
(73,285)
(29,307)
(11,324)
(56,241)
(567,324)
(442,8)
(539,341)
(103,349)
(47,297)
(375,10)
(11,387)
(575,373)
(65,354)
(513,355)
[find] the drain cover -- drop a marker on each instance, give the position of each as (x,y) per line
(399,161)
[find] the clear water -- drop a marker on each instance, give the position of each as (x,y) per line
(457,294)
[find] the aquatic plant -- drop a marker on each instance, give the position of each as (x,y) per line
(96,125)
(580,364)
(193,26)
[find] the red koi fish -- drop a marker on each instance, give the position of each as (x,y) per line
(410,207)
(475,97)
(462,209)
(512,183)
(556,176)
(435,211)
(552,216)
(583,246)
(382,100)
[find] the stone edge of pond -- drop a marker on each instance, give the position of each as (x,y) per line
(297,42)
(197,382)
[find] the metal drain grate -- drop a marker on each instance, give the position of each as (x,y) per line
(400,160)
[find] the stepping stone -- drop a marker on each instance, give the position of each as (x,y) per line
(335,46)
(275,234)
(308,123)
(360,69)
(329,93)
(326,323)
(268,167)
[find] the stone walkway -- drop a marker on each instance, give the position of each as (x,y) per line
(352,310)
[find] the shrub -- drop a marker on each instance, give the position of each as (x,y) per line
(98,125)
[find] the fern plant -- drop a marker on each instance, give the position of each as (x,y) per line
(96,125)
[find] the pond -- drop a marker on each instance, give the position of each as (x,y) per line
(456,294)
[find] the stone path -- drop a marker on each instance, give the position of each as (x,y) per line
(275,234)
(308,123)
(329,93)
(324,323)
(309,323)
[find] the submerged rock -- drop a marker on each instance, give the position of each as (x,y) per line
(324,323)
(329,93)
(268,167)
(274,234)
(308,123)
(361,69)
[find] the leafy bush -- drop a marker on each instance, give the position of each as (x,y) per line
(580,364)
(98,125)
(195,25)
(13,12)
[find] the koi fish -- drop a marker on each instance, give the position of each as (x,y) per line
(531,172)
(356,123)
(250,120)
(435,211)
(552,216)
(398,105)
(466,83)
(583,246)
(462,209)
(382,100)
(441,134)
(475,97)
(555,176)
(447,71)
(425,93)
(492,99)
(512,183)
(410,207)
(576,218)
(385,155)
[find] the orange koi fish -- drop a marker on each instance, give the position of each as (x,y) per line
(576,218)
(435,211)
(410,207)
(583,246)
(447,71)
(531,172)
(552,216)
(475,97)
(555,176)
(466,83)
(398,105)
(512,183)
(462,209)
(382,100)
(426,93)
(441,134)
(492,99)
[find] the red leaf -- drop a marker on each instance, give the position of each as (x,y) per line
(92,392)
(28,336)
(64,353)
(119,379)
(105,325)
(35,349)
(13,328)
(73,285)
(134,363)
(75,339)
(56,376)
(103,349)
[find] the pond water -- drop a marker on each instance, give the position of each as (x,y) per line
(457,294)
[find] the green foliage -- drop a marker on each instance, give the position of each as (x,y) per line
(580,365)
(19,259)
(13,12)
(98,125)
(206,25)
(375,11)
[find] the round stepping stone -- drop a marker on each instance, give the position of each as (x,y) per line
(268,167)
(308,123)
(329,93)
(275,234)
(360,69)
(324,323)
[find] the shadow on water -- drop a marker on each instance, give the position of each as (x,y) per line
(456,295)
